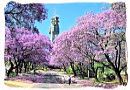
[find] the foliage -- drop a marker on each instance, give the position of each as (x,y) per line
(96,43)
(24,47)
(69,71)
(13,74)
(96,37)
(24,44)
(24,15)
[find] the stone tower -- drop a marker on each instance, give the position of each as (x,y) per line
(54,30)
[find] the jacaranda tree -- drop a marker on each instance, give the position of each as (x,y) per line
(24,15)
(95,38)
(24,47)
(107,34)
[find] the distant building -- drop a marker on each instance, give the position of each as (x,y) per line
(54,30)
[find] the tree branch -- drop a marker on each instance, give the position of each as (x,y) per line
(116,56)
(123,67)
(119,56)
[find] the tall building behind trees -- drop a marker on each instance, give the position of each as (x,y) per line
(54,30)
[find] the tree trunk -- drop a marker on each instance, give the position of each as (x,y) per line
(73,69)
(81,71)
(25,67)
(88,74)
(119,77)
(16,67)
(64,68)
(126,74)
(96,74)
(34,68)
(10,69)
(29,66)
(94,70)
(116,70)
(20,66)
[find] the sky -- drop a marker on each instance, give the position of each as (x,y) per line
(68,13)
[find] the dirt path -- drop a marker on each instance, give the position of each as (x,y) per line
(39,85)
(50,79)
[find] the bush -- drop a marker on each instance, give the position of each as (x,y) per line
(106,75)
(13,74)
(69,70)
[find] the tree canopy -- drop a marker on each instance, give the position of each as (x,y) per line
(24,15)
(96,37)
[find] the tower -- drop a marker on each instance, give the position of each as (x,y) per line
(54,30)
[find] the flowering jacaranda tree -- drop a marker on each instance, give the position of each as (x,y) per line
(24,15)
(108,31)
(24,47)
(96,37)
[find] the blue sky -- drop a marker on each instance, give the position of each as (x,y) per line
(68,13)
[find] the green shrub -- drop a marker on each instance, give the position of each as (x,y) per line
(69,70)
(13,74)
